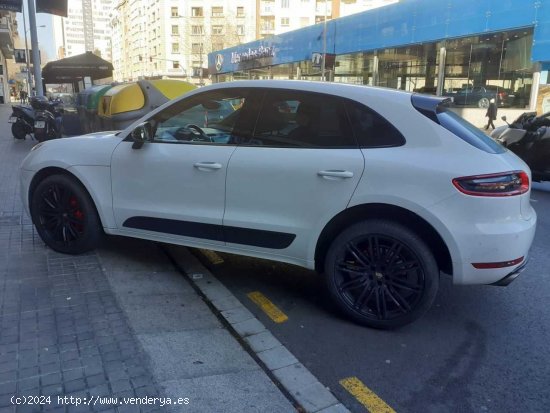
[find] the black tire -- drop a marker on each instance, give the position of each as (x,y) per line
(65,216)
(19,130)
(40,135)
(381,274)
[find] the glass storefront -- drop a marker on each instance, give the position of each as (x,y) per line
(475,69)
(501,60)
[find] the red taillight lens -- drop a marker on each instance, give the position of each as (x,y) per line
(502,184)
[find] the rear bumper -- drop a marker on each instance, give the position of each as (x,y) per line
(503,282)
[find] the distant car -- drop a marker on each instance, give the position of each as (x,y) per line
(480,96)
(377,189)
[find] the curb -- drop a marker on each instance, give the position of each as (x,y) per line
(299,383)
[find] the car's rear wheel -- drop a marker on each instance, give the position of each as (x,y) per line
(483,103)
(64,215)
(381,274)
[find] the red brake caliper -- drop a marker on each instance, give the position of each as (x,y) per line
(78,214)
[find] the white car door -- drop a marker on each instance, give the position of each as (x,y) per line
(174,186)
(300,169)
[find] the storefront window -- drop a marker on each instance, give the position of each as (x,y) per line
(413,68)
(355,68)
(478,67)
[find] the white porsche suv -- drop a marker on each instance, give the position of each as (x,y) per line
(376,189)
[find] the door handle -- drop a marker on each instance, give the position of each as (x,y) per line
(331,174)
(208,166)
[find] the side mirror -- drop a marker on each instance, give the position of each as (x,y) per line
(141,134)
(503,118)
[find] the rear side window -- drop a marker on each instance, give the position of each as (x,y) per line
(299,119)
(437,110)
(466,131)
(372,130)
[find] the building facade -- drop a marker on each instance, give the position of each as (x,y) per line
(281,16)
(85,29)
(431,46)
(172,38)
(8,32)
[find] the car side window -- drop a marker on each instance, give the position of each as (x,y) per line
(298,119)
(371,129)
(207,118)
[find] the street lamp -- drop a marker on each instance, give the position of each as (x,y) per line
(27,57)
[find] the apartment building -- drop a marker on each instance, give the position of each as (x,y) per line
(173,38)
(280,16)
(86,28)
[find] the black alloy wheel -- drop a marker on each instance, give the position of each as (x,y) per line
(64,215)
(381,274)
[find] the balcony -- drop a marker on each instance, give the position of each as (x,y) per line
(6,37)
(266,30)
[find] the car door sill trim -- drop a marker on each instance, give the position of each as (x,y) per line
(234,235)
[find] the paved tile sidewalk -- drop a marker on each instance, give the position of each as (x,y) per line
(62,331)
(119,322)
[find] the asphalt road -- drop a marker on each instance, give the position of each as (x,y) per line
(479,349)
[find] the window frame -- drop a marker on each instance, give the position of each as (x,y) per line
(249,109)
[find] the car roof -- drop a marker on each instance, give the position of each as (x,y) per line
(360,93)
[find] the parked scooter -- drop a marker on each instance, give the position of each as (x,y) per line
(22,120)
(533,146)
(48,118)
(513,132)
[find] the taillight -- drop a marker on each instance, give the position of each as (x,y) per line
(501,184)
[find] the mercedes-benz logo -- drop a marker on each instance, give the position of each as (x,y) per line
(219,62)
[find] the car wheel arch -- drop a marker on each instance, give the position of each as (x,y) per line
(52,170)
(395,213)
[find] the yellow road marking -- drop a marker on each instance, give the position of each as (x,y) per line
(365,396)
(268,307)
(212,256)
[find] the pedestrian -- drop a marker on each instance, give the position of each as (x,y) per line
(491,114)
(22,96)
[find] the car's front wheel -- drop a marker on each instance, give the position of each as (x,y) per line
(381,274)
(64,215)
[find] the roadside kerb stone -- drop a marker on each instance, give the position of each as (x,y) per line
(295,378)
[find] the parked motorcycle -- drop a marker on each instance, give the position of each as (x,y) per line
(48,118)
(531,144)
(22,120)
(513,132)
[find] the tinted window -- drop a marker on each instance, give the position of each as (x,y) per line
(466,131)
(371,129)
(301,119)
(210,117)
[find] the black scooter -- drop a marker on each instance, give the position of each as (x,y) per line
(48,118)
(22,120)
(534,149)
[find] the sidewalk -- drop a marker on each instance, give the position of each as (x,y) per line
(119,322)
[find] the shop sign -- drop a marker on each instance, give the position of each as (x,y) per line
(11,5)
(252,54)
